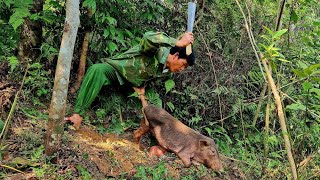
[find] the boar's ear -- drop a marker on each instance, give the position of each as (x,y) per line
(203,144)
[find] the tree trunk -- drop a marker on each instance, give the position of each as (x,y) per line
(60,89)
(30,35)
(82,64)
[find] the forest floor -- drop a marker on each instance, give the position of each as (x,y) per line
(87,154)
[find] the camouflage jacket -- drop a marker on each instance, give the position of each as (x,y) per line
(144,61)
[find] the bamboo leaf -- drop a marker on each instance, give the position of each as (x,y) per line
(283,60)
(296,106)
(299,73)
(279,33)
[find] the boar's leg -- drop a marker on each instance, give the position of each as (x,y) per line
(196,163)
(143,129)
(184,155)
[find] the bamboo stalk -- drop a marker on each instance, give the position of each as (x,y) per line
(266,131)
(277,101)
(281,119)
(256,115)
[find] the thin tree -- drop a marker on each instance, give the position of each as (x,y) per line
(60,89)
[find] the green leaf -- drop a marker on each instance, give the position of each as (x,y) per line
(35,156)
(169,84)
(209,131)
(13,61)
(299,73)
(275,155)
(269,30)
(129,33)
(91,4)
(294,16)
(306,86)
(170,105)
(296,106)
(112,20)
(135,94)
(315,79)
(16,19)
(312,67)
(315,90)
(154,98)
(2,124)
(316,23)
(112,47)
(106,33)
(279,33)
(112,31)
(302,65)
(283,60)
(8,2)
(315,72)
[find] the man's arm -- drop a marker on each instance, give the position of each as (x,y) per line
(154,40)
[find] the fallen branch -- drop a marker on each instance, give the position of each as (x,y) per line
(8,120)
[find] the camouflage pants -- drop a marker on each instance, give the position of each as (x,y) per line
(97,76)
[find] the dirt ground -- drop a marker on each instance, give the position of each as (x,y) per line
(86,154)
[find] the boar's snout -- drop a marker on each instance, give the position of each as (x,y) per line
(216,165)
(210,154)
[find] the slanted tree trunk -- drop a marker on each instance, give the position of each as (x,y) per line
(83,57)
(60,89)
(82,64)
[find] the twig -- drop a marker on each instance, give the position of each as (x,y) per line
(252,41)
(306,161)
(233,159)
(7,123)
(266,132)
(256,115)
(242,124)
(214,73)
(5,166)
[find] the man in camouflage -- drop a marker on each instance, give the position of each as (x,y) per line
(156,54)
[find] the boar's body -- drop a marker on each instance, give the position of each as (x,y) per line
(189,145)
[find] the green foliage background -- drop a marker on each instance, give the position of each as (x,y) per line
(219,95)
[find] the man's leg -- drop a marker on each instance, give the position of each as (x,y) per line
(98,75)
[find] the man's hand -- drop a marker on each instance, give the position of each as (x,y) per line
(141,95)
(140,91)
(185,39)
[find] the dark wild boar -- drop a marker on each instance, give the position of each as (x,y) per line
(189,145)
